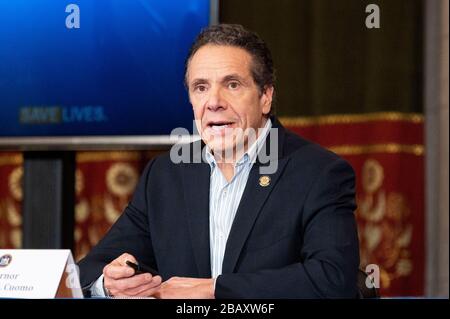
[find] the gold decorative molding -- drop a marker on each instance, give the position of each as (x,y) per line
(390,148)
(415,118)
(87,157)
(8,159)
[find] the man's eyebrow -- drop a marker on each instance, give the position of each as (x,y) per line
(225,79)
(234,77)
(198,81)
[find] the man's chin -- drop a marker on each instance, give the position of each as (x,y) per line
(218,149)
(225,152)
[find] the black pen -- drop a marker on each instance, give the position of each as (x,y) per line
(141,268)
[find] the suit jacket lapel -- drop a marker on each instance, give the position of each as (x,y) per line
(196,179)
(252,201)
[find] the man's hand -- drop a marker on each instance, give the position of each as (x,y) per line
(186,288)
(120,281)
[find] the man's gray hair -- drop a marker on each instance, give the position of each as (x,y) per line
(236,35)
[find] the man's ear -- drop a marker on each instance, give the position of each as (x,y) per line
(266,99)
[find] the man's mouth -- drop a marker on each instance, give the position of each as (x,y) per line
(219,126)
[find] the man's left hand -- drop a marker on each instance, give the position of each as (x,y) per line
(186,288)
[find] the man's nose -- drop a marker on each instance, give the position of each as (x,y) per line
(215,101)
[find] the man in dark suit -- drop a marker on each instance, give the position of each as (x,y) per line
(233,221)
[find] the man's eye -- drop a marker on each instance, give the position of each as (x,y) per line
(233,85)
(200,88)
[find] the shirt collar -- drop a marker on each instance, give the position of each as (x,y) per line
(252,152)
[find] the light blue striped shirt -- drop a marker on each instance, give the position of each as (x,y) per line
(224,198)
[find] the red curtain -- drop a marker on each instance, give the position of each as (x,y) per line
(387,153)
(105,182)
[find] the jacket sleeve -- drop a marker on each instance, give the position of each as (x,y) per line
(329,256)
(129,234)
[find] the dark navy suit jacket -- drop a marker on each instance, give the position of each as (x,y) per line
(295,238)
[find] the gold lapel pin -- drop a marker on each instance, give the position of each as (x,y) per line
(264,181)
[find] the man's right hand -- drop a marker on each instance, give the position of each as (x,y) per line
(120,281)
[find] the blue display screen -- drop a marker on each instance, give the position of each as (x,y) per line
(96,67)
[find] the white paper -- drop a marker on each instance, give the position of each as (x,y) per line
(35,273)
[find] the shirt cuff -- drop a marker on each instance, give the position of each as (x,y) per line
(97,288)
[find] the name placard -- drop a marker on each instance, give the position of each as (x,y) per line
(38,273)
